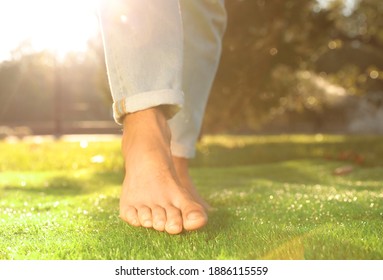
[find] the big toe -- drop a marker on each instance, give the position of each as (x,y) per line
(194,217)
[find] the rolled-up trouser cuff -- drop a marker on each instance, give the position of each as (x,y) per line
(172,101)
(179,150)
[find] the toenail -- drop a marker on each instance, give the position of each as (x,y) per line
(194,215)
(160,223)
(130,219)
(175,228)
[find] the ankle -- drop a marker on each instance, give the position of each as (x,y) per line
(182,166)
(150,116)
(146,130)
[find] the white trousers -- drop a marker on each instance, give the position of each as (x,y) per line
(163,53)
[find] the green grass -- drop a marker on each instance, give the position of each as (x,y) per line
(275,197)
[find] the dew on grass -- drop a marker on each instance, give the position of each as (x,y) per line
(84,144)
(65,214)
(7,211)
(97,159)
(261,221)
(242,194)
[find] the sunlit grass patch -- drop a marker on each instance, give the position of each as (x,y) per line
(285,204)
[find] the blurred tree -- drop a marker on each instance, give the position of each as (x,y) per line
(30,81)
(96,48)
(267,45)
(26,83)
(356,42)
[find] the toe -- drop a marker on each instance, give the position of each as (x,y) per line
(159,218)
(145,216)
(130,216)
(173,220)
(194,216)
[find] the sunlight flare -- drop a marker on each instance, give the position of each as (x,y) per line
(60,26)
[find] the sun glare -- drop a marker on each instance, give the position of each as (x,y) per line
(60,26)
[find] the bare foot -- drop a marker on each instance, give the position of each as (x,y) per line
(182,168)
(152,195)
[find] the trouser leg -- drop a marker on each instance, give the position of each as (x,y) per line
(143,42)
(154,54)
(204,22)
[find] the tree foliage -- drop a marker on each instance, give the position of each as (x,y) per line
(36,86)
(269,43)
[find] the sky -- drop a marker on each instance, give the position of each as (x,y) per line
(57,25)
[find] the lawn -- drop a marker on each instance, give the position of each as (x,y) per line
(274,197)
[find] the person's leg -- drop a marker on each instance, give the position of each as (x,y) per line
(143,43)
(144,54)
(204,24)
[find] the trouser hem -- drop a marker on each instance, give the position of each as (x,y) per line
(173,99)
(179,150)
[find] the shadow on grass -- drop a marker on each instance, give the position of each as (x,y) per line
(219,155)
(219,221)
(113,178)
(69,186)
(57,186)
(297,172)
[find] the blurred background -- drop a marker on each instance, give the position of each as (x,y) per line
(288,66)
